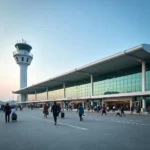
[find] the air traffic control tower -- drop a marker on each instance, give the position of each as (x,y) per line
(23,58)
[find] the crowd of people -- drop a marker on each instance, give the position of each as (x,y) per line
(119,109)
(56,110)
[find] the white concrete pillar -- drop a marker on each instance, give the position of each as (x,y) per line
(35,96)
(63,105)
(23,97)
(46,93)
(131,103)
(92,87)
(83,104)
(143,109)
(64,86)
(91,103)
(102,102)
(143,86)
(23,75)
(143,76)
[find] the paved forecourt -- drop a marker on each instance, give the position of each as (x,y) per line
(34,132)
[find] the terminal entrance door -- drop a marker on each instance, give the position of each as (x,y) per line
(137,103)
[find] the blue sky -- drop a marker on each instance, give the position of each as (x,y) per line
(66,34)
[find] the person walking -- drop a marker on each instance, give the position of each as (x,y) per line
(45,111)
(118,113)
(138,109)
(114,108)
(81,112)
(55,111)
(7,110)
(122,111)
(132,110)
(104,110)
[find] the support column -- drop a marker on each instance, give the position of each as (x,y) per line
(23,97)
(92,87)
(143,76)
(64,105)
(131,103)
(64,86)
(102,102)
(83,104)
(143,104)
(46,93)
(143,86)
(35,96)
(91,103)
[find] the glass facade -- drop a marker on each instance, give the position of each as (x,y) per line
(56,94)
(120,82)
(124,81)
(78,89)
(31,97)
(41,96)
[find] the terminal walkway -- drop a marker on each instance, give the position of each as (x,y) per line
(34,132)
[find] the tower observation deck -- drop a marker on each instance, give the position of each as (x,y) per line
(23,58)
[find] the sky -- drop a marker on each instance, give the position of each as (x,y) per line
(66,34)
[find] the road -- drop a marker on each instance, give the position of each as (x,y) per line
(34,132)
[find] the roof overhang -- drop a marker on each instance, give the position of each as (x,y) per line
(126,59)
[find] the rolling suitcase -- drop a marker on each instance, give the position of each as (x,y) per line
(62,114)
(14,117)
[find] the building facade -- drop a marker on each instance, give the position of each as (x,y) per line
(123,78)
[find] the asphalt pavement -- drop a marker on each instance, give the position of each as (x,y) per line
(96,132)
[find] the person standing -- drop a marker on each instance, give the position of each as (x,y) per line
(55,111)
(7,110)
(81,112)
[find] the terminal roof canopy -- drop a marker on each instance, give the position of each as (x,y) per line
(119,61)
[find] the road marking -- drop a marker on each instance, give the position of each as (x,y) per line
(135,120)
(69,125)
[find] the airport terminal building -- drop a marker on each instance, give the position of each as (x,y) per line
(123,78)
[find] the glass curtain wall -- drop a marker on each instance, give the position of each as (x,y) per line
(148,80)
(41,96)
(129,80)
(78,89)
(31,97)
(56,93)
